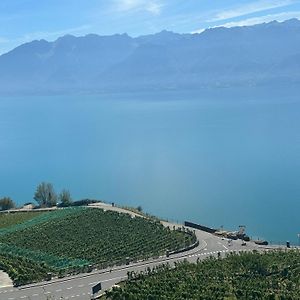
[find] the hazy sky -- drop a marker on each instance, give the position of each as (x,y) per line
(25,20)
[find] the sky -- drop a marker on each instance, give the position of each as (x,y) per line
(26,20)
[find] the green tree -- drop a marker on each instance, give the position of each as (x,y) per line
(6,203)
(45,195)
(65,198)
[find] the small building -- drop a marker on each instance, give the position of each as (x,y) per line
(28,206)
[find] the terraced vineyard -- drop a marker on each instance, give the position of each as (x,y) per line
(69,240)
(273,276)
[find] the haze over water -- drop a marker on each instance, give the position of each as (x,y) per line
(217,159)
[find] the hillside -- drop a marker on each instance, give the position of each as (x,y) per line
(70,241)
(265,54)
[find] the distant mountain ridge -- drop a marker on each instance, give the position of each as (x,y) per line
(264,54)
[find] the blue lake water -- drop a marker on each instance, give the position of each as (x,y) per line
(213,159)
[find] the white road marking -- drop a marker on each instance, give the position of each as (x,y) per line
(225,247)
(69,288)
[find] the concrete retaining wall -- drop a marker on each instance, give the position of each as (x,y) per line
(200,227)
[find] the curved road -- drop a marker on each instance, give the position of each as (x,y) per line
(79,287)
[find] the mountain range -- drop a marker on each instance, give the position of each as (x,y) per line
(264,54)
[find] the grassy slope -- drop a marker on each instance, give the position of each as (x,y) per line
(10,219)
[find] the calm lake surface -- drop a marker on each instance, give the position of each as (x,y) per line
(214,159)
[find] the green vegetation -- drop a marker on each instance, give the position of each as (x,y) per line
(6,203)
(10,219)
(36,219)
(23,270)
(65,198)
(69,240)
(274,275)
(45,195)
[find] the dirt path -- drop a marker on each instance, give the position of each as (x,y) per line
(106,206)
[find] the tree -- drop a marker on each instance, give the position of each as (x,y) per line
(65,198)
(6,203)
(45,195)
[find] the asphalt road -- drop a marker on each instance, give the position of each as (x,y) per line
(80,286)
